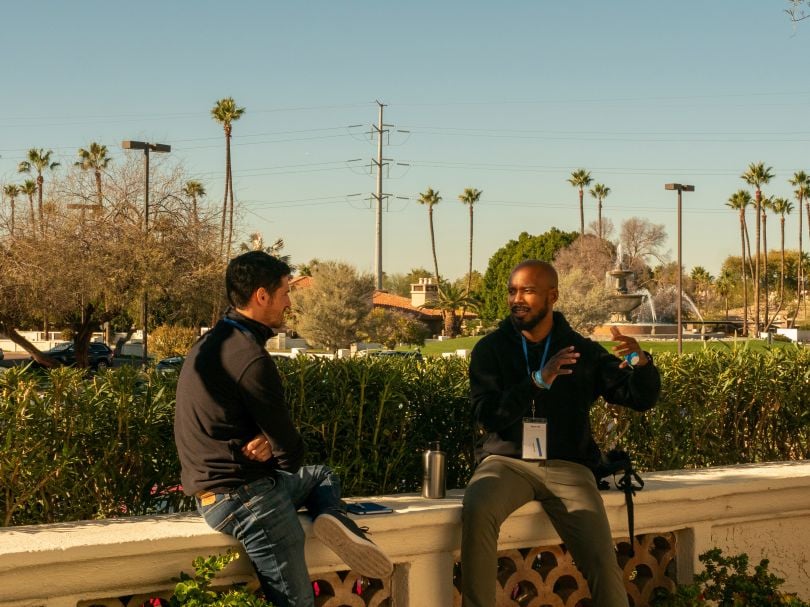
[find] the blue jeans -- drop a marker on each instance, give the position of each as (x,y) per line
(262,515)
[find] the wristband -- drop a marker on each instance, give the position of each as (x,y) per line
(632,359)
(537,379)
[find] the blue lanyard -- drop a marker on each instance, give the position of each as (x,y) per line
(526,353)
(241,327)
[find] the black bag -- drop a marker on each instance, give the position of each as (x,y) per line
(612,463)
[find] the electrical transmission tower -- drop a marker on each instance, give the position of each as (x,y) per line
(379,129)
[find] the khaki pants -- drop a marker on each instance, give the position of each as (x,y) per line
(569,496)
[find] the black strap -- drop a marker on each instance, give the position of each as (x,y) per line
(629,482)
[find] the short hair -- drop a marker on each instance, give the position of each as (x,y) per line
(543,266)
(251,271)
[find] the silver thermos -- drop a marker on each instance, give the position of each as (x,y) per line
(434,464)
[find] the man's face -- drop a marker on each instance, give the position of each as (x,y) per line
(531,297)
(275,304)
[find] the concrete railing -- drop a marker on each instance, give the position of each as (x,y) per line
(763,510)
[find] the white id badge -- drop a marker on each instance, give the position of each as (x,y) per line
(534,438)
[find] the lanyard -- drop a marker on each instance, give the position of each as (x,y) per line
(241,327)
(526,353)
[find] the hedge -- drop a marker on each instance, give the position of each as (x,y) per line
(82,448)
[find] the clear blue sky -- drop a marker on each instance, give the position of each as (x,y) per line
(506,97)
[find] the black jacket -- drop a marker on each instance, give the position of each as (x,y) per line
(228,392)
(502,391)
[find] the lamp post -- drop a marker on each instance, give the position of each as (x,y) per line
(680,188)
(146,147)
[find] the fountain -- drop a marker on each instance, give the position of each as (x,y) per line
(624,303)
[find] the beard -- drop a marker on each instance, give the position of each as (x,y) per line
(523,320)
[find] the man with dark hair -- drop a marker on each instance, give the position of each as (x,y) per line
(532,384)
(240,453)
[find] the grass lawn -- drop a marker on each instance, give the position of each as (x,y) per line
(653,347)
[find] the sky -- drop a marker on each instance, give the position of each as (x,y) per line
(507,97)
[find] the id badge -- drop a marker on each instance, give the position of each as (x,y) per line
(534,438)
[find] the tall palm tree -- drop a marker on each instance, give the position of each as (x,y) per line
(194,190)
(757,175)
(38,161)
(29,188)
(782,207)
(600,192)
(801,181)
(724,284)
(95,158)
(581,179)
(765,206)
(12,191)
(225,112)
(431,198)
(470,196)
(740,200)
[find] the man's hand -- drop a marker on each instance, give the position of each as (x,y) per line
(258,449)
(625,346)
(556,364)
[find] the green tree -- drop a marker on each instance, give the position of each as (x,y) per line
(801,181)
(95,158)
(599,191)
(702,281)
(37,162)
(12,191)
(391,327)
(194,190)
(431,198)
(544,247)
(449,301)
(581,179)
(757,175)
(724,285)
(225,112)
(740,201)
(331,311)
(400,284)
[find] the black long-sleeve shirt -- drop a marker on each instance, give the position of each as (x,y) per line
(502,391)
(229,391)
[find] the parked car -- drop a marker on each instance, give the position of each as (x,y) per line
(170,366)
(100,355)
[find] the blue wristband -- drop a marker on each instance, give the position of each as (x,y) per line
(537,378)
(632,359)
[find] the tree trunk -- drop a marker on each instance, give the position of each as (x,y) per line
(230,190)
(225,197)
(433,244)
(40,184)
(782,268)
(799,269)
(600,219)
(744,281)
(756,262)
(98,189)
(8,330)
(765,263)
(81,339)
(581,213)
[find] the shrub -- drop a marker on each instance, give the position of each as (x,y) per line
(168,340)
(78,448)
(725,582)
(195,591)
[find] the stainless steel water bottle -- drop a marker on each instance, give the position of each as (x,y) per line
(434,463)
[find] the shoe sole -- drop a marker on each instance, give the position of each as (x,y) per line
(362,556)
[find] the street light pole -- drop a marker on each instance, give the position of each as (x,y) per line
(680,188)
(146,147)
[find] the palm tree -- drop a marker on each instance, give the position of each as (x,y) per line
(740,200)
(581,179)
(469,197)
(194,190)
(801,181)
(767,202)
(782,207)
(724,284)
(12,191)
(95,158)
(29,188)
(600,192)
(431,198)
(757,174)
(226,113)
(450,299)
(38,160)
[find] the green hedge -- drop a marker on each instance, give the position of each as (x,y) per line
(77,448)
